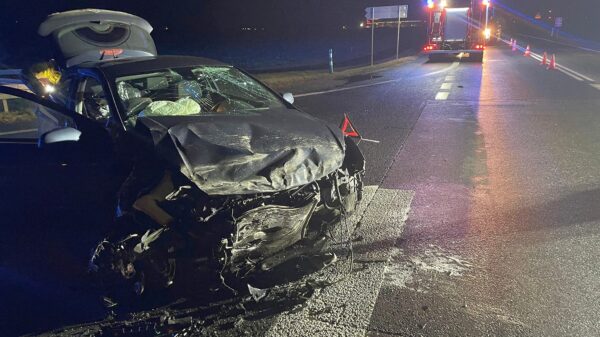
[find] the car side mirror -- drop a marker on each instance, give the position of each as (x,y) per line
(66,134)
(288,97)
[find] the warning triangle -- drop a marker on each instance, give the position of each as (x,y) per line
(348,128)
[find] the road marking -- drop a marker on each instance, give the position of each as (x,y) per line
(562,44)
(442,96)
(450,78)
(451,67)
(347,88)
(16,132)
(346,306)
(576,73)
(446,86)
(596,85)
(565,70)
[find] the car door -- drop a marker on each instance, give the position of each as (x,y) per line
(43,175)
(57,198)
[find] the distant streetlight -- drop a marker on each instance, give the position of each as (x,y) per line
(486,3)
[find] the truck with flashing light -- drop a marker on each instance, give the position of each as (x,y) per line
(457,27)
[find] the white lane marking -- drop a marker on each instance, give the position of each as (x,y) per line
(450,78)
(576,73)
(596,85)
(7,133)
(348,88)
(347,305)
(539,58)
(442,96)
(569,74)
(562,44)
(446,86)
(565,70)
(451,67)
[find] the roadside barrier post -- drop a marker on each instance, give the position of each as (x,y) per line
(372,33)
(331,61)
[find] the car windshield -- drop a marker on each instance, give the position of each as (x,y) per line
(204,90)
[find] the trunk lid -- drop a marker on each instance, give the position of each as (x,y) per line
(96,35)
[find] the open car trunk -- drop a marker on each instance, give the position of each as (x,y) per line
(95,35)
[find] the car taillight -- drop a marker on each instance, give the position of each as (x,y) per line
(479,47)
(430,47)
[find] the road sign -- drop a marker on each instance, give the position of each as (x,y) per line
(386,12)
(558,22)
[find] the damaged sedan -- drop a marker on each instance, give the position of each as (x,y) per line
(226,170)
(201,163)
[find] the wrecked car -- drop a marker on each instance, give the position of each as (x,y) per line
(207,163)
(252,179)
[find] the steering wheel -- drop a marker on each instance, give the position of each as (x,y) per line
(136,105)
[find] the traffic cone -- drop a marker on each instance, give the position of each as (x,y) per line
(545,59)
(527,52)
(552,65)
(514,45)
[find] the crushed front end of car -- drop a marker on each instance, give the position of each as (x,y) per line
(238,235)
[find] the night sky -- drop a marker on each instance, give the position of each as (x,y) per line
(280,16)
(217,19)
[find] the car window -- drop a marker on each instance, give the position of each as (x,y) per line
(91,100)
(21,118)
(62,92)
(203,90)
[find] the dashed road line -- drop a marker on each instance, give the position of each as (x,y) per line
(446,86)
(453,66)
(596,85)
(442,96)
(450,78)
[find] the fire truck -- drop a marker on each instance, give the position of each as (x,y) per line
(457,27)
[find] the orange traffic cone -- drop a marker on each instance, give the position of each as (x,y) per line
(545,59)
(552,65)
(514,45)
(527,52)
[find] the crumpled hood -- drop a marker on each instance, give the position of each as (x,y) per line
(265,152)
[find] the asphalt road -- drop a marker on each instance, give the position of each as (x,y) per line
(502,236)
(481,216)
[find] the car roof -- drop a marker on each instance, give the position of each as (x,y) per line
(116,68)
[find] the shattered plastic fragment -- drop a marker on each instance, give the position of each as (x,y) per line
(256,293)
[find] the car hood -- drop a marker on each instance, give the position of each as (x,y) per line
(262,152)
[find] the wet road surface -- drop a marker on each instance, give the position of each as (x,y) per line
(497,167)
(502,237)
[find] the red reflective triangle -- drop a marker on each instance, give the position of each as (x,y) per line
(348,128)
